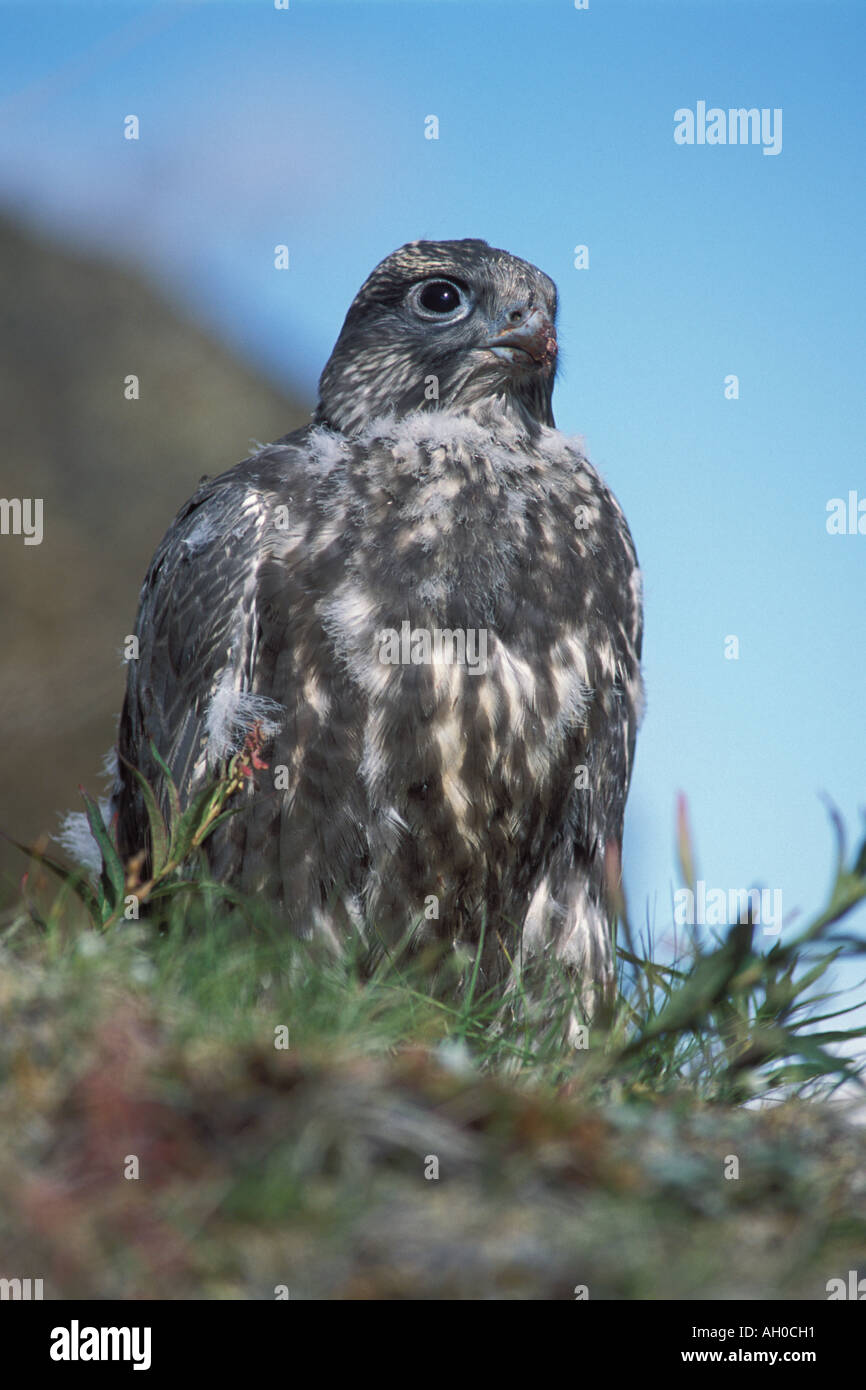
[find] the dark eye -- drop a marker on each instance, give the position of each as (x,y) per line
(439,299)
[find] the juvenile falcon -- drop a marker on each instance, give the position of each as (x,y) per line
(429,603)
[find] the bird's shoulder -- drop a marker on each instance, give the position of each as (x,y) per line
(228,511)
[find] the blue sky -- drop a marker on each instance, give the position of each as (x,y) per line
(306,127)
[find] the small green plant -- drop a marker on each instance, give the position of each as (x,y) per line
(175,840)
(735,1022)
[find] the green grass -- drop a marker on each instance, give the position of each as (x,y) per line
(304,1165)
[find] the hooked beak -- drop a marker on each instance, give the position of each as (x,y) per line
(530,341)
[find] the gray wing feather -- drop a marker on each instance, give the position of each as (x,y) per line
(198,682)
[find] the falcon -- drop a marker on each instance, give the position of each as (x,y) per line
(427,607)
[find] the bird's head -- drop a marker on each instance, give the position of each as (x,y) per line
(438,324)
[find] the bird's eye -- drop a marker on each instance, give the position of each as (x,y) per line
(438,299)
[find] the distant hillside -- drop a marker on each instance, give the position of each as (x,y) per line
(112,473)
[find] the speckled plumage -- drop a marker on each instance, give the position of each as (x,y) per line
(406,785)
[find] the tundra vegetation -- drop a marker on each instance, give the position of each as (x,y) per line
(195,1106)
